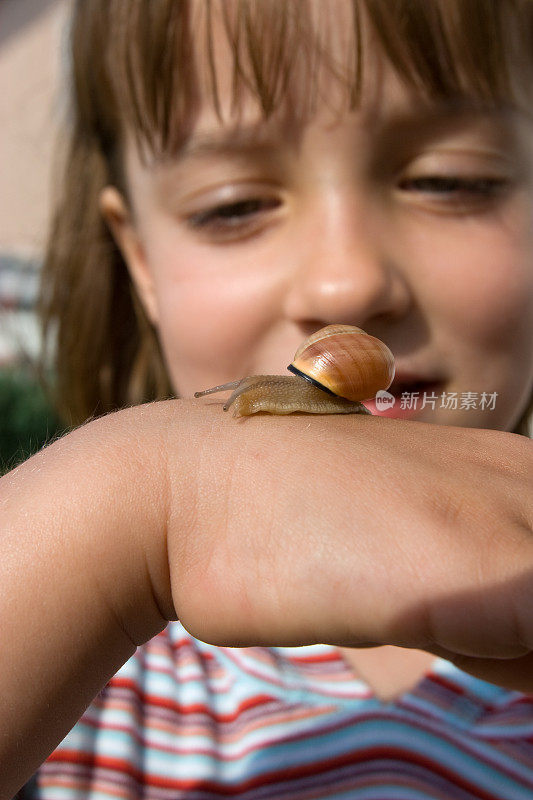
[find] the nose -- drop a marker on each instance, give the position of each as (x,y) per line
(346,269)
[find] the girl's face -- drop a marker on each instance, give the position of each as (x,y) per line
(410,221)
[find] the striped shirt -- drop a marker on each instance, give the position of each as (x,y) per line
(183,719)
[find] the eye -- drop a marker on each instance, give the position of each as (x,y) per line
(233,217)
(451,188)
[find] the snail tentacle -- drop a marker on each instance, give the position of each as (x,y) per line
(222,388)
(243,386)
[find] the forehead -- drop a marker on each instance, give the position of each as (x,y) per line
(279,63)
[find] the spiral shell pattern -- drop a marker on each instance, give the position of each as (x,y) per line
(346,361)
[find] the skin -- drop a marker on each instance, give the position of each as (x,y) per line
(422,541)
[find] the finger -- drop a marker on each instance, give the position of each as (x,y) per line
(512,673)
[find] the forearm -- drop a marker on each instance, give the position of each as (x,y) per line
(77,523)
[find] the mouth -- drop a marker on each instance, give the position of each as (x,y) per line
(408,385)
(411,395)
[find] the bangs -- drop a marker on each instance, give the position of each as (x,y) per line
(149,66)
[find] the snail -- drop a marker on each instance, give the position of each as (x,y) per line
(333,370)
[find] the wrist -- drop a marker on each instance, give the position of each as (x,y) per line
(128,551)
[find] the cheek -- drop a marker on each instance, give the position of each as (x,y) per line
(213,311)
(493,303)
(480,287)
(482,302)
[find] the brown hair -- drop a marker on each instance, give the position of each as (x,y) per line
(136,67)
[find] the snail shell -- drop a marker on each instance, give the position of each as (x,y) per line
(345,361)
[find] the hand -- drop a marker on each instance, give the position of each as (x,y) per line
(353,530)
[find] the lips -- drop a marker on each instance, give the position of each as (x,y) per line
(410,384)
(408,390)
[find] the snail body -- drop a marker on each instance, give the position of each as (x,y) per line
(333,371)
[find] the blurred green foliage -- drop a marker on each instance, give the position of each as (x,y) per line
(27,420)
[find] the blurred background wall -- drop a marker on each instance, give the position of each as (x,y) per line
(32,63)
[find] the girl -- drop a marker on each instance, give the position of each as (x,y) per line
(240,174)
